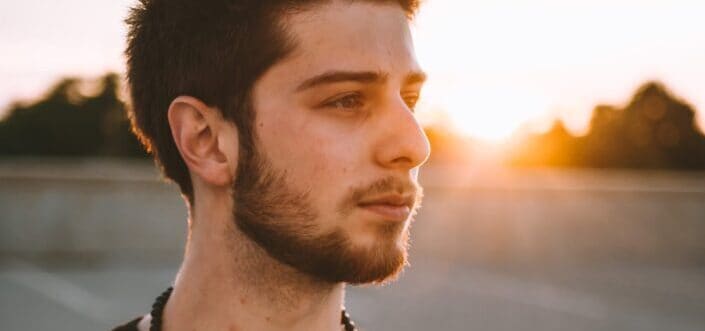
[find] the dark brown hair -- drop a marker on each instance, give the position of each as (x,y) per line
(213,50)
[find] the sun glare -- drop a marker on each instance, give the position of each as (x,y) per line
(485,112)
(493,66)
(497,66)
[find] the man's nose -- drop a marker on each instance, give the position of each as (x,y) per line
(403,143)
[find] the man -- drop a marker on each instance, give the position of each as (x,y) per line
(289,128)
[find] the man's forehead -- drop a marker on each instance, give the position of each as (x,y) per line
(350,37)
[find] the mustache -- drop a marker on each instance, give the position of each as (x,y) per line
(388,185)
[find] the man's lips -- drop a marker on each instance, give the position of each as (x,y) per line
(390,207)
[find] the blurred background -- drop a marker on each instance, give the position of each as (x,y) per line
(565,191)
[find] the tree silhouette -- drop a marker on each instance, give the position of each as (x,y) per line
(654,130)
(65,122)
(556,147)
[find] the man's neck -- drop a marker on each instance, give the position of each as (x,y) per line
(228,282)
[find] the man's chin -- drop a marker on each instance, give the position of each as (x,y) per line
(374,268)
(379,272)
(381,261)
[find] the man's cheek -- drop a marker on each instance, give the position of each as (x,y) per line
(327,177)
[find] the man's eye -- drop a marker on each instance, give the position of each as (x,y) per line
(348,102)
(411,102)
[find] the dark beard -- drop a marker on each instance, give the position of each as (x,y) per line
(284,223)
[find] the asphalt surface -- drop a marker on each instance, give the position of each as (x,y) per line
(89,245)
(431,295)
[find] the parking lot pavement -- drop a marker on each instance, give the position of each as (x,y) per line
(430,295)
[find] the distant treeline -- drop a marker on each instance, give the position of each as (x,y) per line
(67,122)
(654,130)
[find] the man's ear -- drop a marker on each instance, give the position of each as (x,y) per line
(207,142)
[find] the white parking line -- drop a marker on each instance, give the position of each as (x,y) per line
(59,290)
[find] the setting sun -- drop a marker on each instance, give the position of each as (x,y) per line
(499,66)
(488,113)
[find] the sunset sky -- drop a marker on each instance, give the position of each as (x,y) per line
(494,66)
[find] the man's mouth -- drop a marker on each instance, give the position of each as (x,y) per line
(390,207)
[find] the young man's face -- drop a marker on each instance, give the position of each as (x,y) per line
(338,146)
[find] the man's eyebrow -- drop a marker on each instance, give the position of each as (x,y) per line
(415,77)
(343,76)
(367,77)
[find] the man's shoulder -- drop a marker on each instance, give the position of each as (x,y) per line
(129,326)
(138,324)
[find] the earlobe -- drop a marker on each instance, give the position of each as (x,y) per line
(202,137)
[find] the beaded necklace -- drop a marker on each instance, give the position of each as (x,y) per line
(160,302)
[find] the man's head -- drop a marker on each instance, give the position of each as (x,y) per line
(301,111)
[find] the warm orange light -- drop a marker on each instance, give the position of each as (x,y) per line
(496,65)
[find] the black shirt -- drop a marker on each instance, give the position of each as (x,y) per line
(130,326)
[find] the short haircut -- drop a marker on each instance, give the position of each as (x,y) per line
(213,50)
